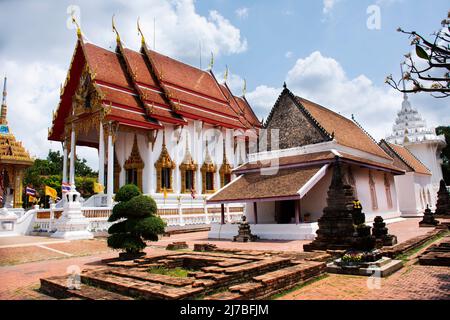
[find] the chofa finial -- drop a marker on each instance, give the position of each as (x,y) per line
(140,33)
(75,22)
(115,30)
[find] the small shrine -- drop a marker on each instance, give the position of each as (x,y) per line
(14,159)
(428,219)
(443,200)
(381,232)
(244,233)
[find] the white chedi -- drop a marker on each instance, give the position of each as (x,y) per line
(72,225)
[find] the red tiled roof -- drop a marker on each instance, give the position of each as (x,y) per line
(406,156)
(346,132)
(141,80)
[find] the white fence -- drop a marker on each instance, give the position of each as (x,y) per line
(44,219)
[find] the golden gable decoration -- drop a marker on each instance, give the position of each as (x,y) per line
(164,162)
(134,162)
(225,168)
(208,167)
(188,164)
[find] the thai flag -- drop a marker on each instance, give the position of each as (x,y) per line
(30,191)
(65,187)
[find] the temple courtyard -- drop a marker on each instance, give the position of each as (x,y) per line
(262,269)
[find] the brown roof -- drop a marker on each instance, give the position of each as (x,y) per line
(310,159)
(409,159)
(256,187)
(346,131)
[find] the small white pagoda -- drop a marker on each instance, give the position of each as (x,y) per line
(410,131)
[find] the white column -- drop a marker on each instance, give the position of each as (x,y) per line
(64,174)
(110,184)
(151,163)
(72,156)
(101,156)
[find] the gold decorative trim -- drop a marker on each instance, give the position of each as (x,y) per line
(135,162)
(164,161)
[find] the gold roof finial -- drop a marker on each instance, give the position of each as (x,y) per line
(115,30)
(225,76)
(244,89)
(75,22)
(140,32)
(211,62)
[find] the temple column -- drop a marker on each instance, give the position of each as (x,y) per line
(65,156)
(222,213)
(255,212)
(101,156)
(297,211)
(110,183)
(72,156)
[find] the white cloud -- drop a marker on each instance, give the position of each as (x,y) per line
(328,6)
(323,80)
(289,54)
(36,59)
(242,13)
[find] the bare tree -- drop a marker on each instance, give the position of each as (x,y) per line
(432,76)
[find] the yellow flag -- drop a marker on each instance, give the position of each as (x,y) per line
(51,192)
(32,199)
(98,187)
(165,193)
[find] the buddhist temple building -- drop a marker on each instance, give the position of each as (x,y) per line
(151,117)
(14,159)
(416,185)
(410,131)
(285,188)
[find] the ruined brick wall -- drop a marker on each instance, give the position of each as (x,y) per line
(295,129)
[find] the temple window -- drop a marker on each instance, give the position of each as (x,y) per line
(164,167)
(134,166)
(373,192)
(187,168)
(387,188)
(225,170)
(208,171)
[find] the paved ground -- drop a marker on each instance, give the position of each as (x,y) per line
(412,282)
(23,266)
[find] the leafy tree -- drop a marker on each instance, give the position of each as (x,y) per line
(445,155)
(138,220)
(431,73)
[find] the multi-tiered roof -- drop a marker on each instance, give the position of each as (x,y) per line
(11,151)
(146,89)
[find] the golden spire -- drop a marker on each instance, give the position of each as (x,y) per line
(3,110)
(225,76)
(140,32)
(115,30)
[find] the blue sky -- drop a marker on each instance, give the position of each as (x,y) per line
(323,49)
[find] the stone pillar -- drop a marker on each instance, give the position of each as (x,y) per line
(222,213)
(72,156)
(101,155)
(65,158)
(110,184)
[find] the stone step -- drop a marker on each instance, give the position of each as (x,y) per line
(57,287)
(435,259)
(141,289)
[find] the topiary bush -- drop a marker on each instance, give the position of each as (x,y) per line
(139,221)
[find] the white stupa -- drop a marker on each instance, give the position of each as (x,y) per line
(410,131)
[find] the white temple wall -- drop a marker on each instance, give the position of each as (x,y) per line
(315,200)
(124,145)
(364,195)
(417,192)
(266,212)
(428,154)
